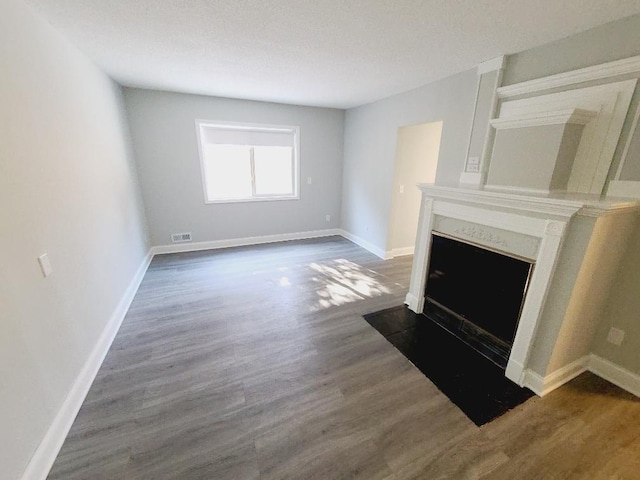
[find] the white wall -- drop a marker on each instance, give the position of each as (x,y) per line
(68,188)
(164,137)
(369,149)
(416,161)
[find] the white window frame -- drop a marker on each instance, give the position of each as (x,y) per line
(259,127)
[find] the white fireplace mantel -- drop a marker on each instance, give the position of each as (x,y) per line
(545,217)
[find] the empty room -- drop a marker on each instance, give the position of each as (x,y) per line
(370,240)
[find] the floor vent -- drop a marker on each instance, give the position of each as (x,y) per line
(180,237)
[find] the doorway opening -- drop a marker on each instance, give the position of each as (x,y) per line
(416,161)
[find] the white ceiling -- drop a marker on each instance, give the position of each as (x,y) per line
(332,53)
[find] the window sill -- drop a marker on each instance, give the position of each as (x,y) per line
(253,199)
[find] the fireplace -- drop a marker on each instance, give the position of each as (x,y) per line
(476,293)
(557,293)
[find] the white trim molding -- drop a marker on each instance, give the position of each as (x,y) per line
(378,252)
(627,146)
(241,242)
(541,386)
(623,378)
(46,453)
(575,116)
(492,65)
(626,66)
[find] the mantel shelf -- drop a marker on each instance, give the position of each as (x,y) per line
(557,204)
(574,116)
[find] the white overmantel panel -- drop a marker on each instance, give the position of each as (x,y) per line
(545,216)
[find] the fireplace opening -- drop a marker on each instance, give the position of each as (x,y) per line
(477,294)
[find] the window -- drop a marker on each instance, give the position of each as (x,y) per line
(243,162)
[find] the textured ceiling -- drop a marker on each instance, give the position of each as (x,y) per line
(333,53)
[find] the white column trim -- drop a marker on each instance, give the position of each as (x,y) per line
(627,145)
(496,63)
(418,281)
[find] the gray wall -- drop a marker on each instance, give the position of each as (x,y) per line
(68,188)
(370,144)
(165,144)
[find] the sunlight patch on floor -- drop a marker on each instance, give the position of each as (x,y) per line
(341,281)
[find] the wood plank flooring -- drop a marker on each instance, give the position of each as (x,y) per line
(255,363)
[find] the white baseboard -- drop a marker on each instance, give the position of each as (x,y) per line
(241,242)
(401,252)
(541,386)
(378,252)
(615,374)
(46,453)
(611,372)
(412,302)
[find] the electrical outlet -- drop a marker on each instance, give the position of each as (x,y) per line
(308,180)
(401,188)
(327,218)
(616,336)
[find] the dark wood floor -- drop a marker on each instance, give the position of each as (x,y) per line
(255,363)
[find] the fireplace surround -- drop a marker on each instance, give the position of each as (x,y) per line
(568,286)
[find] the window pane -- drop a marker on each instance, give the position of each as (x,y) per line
(273,170)
(227,171)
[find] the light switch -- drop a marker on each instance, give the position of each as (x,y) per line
(308,180)
(45,265)
(401,188)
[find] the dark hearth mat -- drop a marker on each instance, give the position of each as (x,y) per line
(476,385)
